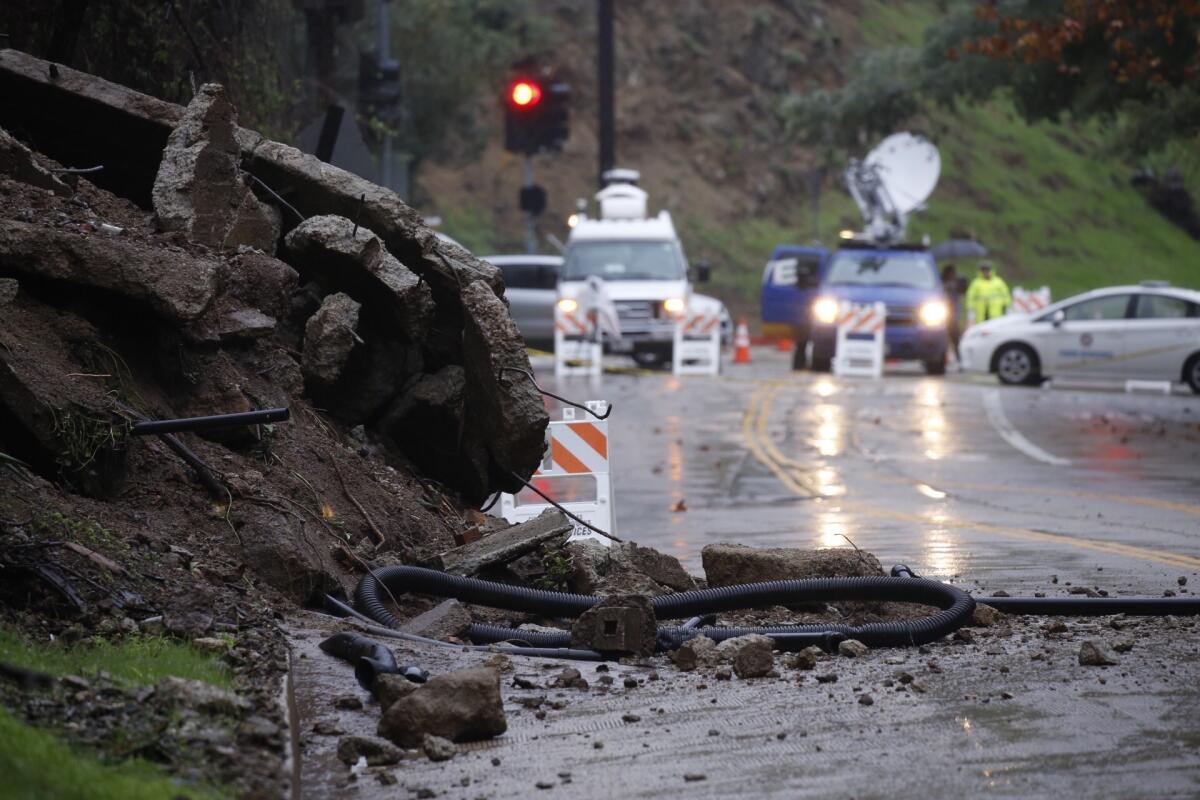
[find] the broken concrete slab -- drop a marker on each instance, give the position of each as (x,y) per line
(199,187)
(729,564)
(618,624)
(342,256)
(460,706)
(506,405)
(445,620)
(19,162)
(504,545)
(329,337)
(622,568)
(180,292)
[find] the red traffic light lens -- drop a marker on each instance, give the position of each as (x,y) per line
(525,94)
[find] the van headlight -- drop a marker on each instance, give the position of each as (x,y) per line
(825,310)
(567,305)
(674,306)
(933,313)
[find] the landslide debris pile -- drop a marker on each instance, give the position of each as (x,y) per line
(160,262)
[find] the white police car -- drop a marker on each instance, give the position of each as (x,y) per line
(1145,332)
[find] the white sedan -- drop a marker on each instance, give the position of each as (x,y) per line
(1145,332)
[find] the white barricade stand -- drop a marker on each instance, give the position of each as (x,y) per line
(575,472)
(697,347)
(1025,301)
(859,347)
(576,351)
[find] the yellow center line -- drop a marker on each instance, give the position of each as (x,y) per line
(754,433)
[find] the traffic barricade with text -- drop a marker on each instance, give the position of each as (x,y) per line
(575,473)
(697,346)
(859,346)
(1029,301)
(576,348)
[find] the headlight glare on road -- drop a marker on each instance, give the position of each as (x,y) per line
(567,305)
(825,310)
(933,314)
(674,306)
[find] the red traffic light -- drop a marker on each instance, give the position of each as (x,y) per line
(525,94)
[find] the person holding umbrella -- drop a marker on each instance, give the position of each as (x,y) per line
(952,285)
(987,296)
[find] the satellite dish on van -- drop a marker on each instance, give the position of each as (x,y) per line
(908,166)
(894,180)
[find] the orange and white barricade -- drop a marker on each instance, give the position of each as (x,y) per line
(575,472)
(1026,301)
(859,346)
(697,346)
(577,349)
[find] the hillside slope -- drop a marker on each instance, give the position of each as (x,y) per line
(698,89)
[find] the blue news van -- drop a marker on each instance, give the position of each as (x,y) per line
(902,277)
(789,287)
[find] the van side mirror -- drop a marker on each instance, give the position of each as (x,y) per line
(703,271)
(1057,318)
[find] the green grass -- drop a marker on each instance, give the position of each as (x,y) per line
(133,660)
(892,23)
(1049,203)
(37,766)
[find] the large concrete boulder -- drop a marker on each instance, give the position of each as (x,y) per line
(460,706)
(504,405)
(343,257)
(199,187)
(136,271)
(728,564)
(329,336)
(618,624)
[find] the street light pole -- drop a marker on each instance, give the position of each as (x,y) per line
(604,64)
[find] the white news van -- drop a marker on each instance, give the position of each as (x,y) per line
(642,263)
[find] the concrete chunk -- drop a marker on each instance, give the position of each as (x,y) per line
(199,187)
(617,624)
(329,336)
(728,564)
(503,546)
(459,706)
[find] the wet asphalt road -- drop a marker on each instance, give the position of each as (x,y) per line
(990,488)
(959,477)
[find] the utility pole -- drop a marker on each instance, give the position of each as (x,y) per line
(604,65)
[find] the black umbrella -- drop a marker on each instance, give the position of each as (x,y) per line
(958,248)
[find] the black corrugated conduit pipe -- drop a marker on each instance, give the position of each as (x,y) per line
(954,607)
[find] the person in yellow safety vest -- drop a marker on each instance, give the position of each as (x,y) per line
(987,296)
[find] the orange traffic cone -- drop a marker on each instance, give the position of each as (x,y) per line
(741,343)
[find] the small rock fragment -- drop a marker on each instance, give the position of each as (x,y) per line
(866,700)
(751,655)
(378,752)
(569,678)
(829,678)
(631,718)
(348,702)
(723,674)
(1094,653)
(438,749)
(852,648)
(693,653)
(984,616)
(692,777)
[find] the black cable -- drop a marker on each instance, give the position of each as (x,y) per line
(275,194)
(529,375)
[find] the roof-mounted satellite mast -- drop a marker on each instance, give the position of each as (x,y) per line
(894,180)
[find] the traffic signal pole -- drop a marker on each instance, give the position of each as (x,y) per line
(604,65)
(530,217)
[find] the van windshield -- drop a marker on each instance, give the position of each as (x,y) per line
(625,261)
(881,269)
